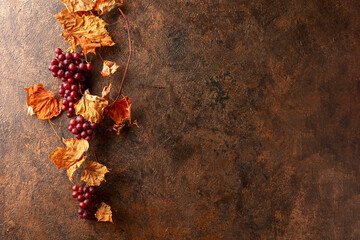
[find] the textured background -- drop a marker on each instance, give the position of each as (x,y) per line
(249,123)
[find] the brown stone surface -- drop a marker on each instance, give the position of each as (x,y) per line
(248,113)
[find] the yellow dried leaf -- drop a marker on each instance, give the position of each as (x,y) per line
(109,68)
(105,6)
(86,30)
(70,171)
(73,153)
(91,107)
(79,5)
(106,92)
(42,102)
(104,213)
(94,174)
(120,112)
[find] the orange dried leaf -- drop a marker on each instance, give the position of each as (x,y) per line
(73,153)
(91,107)
(106,92)
(42,102)
(120,112)
(94,174)
(109,68)
(86,30)
(105,6)
(79,5)
(104,213)
(70,171)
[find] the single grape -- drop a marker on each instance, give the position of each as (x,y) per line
(72,121)
(61,65)
(80,119)
(73,94)
(87,195)
(81,211)
(76,56)
(61,57)
(76,99)
(87,202)
(64,108)
(78,136)
(80,198)
(72,67)
(85,189)
(91,190)
(83,134)
(81,217)
(63,79)
(69,114)
(82,55)
(89,66)
(50,67)
(70,80)
(75,187)
(65,102)
(58,51)
(54,68)
(77,76)
(93,125)
(54,74)
(79,126)
(82,204)
(60,73)
(75,194)
(54,61)
(82,67)
(86,215)
(86,126)
(75,131)
(70,98)
(71,104)
(68,74)
(80,189)
(67,92)
(67,62)
(68,55)
(89,132)
(61,91)
(67,86)
(74,88)
(88,138)
(71,110)
(77,62)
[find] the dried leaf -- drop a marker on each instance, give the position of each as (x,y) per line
(86,30)
(70,171)
(73,153)
(94,174)
(105,6)
(109,68)
(91,107)
(120,112)
(42,102)
(106,92)
(104,213)
(79,5)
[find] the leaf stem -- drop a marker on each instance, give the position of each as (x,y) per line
(51,124)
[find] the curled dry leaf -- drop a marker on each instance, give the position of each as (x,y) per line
(120,112)
(42,102)
(79,5)
(94,174)
(106,92)
(70,171)
(73,153)
(86,30)
(104,213)
(91,107)
(109,68)
(105,6)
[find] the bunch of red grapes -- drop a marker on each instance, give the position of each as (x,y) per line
(81,128)
(88,201)
(72,69)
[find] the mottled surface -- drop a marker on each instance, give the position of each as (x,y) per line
(248,113)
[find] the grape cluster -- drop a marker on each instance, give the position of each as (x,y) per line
(81,128)
(87,198)
(72,69)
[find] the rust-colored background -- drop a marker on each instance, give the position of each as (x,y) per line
(248,114)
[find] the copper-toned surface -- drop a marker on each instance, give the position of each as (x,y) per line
(248,115)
